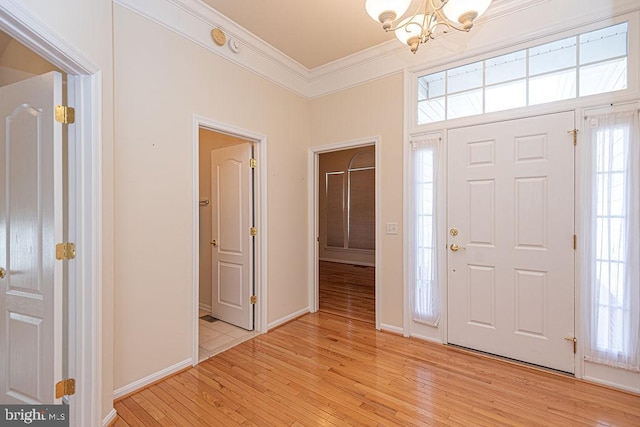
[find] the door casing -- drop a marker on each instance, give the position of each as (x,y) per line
(260,211)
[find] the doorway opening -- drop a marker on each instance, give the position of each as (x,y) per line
(230,274)
(346,218)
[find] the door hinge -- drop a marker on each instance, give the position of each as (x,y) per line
(575,242)
(254,299)
(574,340)
(65,251)
(253,163)
(575,136)
(253,231)
(65,388)
(65,115)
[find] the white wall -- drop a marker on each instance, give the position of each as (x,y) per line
(161,81)
(86,25)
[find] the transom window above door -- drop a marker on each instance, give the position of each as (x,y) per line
(586,64)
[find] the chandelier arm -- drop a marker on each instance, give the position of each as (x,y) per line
(424,6)
(442,19)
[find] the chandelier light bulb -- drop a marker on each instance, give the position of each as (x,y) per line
(386,11)
(465,11)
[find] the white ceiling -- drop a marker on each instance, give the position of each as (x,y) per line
(311,32)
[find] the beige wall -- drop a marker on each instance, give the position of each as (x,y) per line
(331,162)
(161,81)
(208,141)
(19,63)
(370,110)
(87,26)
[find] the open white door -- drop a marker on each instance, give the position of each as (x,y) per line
(231,197)
(511,254)
(31,223)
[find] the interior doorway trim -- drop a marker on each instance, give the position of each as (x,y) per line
(314,220)
(85,205)
(260,207)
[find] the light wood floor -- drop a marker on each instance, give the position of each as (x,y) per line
(347,290)
(326,370)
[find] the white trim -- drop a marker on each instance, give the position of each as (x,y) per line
(205,307)
(426,338)
(85,304)
(391,328)
(260,210)
(288,318)
(342,261)
(313,230)
(109,418)
(150,379)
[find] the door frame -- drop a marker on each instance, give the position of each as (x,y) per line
(84,82)
(313,205)
(260,211)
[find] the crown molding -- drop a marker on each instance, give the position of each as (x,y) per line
(194,20)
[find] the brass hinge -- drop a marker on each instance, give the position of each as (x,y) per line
(65,388)
(574,340)
(65,115)
(575,242)
(253,231)
(65,251)
(254,299)
(253,163)
(575,136)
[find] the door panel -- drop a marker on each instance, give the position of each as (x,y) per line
(511,283)
(31,211)
(231,223)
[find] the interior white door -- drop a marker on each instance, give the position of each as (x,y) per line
(511,200)
(30,226)
(231,195)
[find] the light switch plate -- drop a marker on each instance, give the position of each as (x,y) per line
(392,228)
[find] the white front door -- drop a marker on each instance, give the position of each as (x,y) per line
(31,209)
(511,200)
(232,204)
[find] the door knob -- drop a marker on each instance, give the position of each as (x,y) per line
(456,248)
(214,243)
(3,273)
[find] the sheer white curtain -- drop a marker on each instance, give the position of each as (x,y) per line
(610,236)
(423,260)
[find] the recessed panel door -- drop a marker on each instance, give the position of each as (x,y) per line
(511,263)
(231,235)
(30,226)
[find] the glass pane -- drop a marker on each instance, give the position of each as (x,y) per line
(552,56)
(603,77)
(465,77)
(506,67)
(431,111)
(431,86)
(603,44)
(506,96)
(335,209)
(464,104)
(552,87)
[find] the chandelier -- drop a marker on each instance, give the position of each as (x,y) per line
(433,18)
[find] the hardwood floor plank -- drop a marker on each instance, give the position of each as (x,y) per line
(347,290)
(329,370)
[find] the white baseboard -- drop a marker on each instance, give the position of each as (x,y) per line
(205,307)
(136,385)
(391,328)
(426,338)
(285,319)
(109,418)
(342,261)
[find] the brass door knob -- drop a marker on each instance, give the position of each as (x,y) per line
(3,273)
(214,243)
(456,248)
